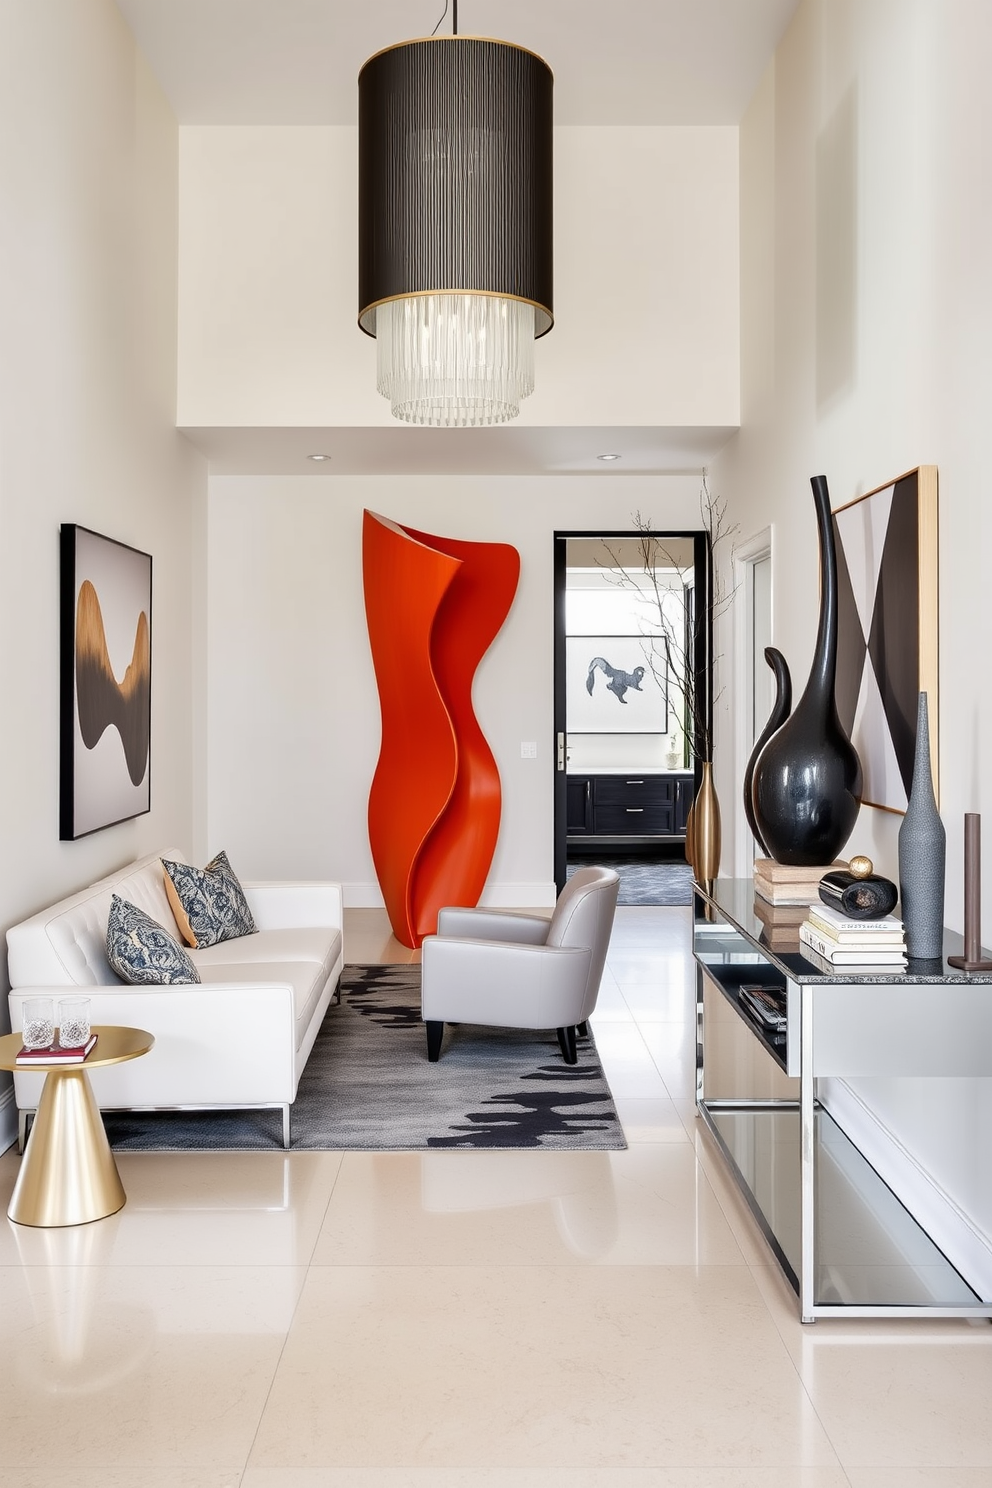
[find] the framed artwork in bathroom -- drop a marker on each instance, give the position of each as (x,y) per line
(616,685)
(887,630)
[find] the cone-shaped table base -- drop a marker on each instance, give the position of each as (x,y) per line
(68,1174)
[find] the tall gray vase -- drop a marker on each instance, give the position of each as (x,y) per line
(922,849)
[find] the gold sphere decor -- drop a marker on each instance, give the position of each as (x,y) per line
(860,866)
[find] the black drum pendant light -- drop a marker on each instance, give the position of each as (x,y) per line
(455,224)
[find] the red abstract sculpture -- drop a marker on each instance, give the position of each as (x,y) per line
(434,606)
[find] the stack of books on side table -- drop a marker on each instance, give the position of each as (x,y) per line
(56,1054)
(834,942)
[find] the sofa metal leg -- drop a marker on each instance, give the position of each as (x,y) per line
(583,1030)
(435,1033)
(337,993)
(566,1043)
(285,1125)
(22,1131)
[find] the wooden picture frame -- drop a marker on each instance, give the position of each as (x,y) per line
(105,682)
(887,651)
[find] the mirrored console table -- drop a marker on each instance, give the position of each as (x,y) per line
(847,1244)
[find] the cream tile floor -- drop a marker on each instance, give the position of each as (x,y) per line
(468,1320)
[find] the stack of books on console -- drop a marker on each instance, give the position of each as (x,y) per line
(834,942)
(778,883)
(780,923)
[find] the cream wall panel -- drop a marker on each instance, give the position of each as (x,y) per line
(904,379)
(293,708)
(88,233)
(646,293)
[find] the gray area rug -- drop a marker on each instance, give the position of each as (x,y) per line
(368,1086)
(642,882)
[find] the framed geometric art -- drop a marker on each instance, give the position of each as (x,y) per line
(105,682)
(887,629)
(611,689)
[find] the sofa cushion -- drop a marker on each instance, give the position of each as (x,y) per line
(141,952)
(320,944)
(66,944)
(143,885)
(209,903)
(306,979)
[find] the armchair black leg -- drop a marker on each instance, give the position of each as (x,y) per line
(583,1030)
(566,1043)
(435,1033)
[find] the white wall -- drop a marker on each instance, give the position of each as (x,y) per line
(646,280)
(293,719)
(866,194)
(88,228)
(866,211)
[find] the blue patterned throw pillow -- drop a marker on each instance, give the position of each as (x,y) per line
(209,903)
(141,952)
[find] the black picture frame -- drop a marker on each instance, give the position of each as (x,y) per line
(105,616)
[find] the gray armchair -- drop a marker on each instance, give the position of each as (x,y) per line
(520,971)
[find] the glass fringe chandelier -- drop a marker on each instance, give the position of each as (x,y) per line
(455,224)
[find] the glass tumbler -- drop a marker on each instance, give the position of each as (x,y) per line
(74,1022)
(38,1027)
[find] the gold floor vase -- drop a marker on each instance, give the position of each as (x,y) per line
(705,828)
(689,828)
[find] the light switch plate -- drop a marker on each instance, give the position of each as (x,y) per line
(528,749)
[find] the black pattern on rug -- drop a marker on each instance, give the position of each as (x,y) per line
(368,1086)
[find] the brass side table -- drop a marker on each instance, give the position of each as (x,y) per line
(68,1175)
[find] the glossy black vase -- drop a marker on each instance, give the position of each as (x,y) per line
(807,779)
(781,708)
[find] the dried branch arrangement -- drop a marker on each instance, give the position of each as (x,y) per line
(673,618)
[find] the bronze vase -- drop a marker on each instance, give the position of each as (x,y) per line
(689,826)
(705,825)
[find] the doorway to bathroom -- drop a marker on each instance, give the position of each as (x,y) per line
(631,617)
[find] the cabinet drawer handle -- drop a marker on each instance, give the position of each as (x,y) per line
(634,810)
(635,782)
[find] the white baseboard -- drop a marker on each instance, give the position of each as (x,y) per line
(8,1118)
(967,1248)
(362,896)
(494,896)
(519,896)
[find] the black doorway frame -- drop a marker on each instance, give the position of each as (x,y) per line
(702,659)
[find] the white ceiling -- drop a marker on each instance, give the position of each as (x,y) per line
(634,62)
(615,61)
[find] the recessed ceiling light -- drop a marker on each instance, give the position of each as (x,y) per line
(318,457)
(609,457)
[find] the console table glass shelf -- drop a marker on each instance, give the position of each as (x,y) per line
(847,1244)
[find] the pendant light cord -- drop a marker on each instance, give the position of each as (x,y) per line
(454,18)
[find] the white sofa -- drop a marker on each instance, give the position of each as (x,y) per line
(240,1037)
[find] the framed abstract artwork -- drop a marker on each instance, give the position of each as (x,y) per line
(887,629)
(611,688)
(105,682)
